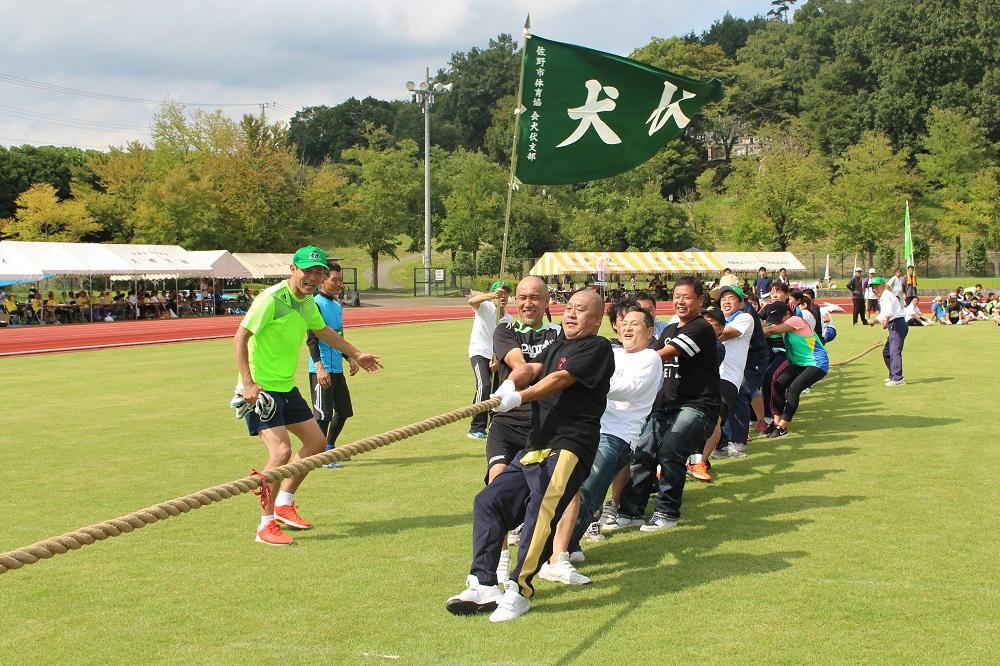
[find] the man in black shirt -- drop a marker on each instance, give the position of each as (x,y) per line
(568,391)
(857,287)
(516,343)
(762,285)
(685,418)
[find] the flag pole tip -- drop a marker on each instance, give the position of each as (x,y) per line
(527,26)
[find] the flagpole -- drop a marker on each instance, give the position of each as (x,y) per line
(518,110)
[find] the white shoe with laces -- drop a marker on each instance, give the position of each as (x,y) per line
(511,605)
(577,556)
(475,598)
(563,572)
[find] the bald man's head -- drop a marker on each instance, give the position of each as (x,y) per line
(530,298)
(583,314)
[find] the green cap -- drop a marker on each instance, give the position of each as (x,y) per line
(876,281)
(733,288)
(500,284)
(309,256)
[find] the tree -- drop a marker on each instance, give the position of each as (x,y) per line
(474,201)
(781,194)
(122,176)
(23,166)
(956,149)
(322,133)
(869,191)
(384,194)
(731,33)
(41,216)
(481,77)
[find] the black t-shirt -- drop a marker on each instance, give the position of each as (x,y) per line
(774,313)
(532,342)
(691,379)
(571,419)
(757,354)
(954,311)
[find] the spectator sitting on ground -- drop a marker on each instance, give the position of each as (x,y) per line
(914,317)
(938,313)
(954,311)
(975,310)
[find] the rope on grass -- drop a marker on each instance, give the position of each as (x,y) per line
(86,536)
(875,345)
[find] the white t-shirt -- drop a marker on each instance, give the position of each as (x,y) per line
(889,307)
(911,310)
(633,389)
(483,325)
(823,312)
(807,317)
(735,361)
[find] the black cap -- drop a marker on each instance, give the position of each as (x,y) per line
(776,312)
(715,313)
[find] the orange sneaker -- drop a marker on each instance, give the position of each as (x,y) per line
(289,515)
(272,535)
(699,471)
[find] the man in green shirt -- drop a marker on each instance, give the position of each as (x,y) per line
(268,344)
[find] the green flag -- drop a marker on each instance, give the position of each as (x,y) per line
(907,238)
(587,114)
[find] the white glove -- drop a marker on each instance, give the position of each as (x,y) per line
(505,388)
(508,401)
(509,397)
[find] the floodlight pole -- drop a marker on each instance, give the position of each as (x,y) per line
(424,95)
(428,100)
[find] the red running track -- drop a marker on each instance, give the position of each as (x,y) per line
(21,341)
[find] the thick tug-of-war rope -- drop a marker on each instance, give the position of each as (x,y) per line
(86,536)
(875,345)
(255,483)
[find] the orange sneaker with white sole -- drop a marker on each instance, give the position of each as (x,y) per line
(272,535)
(289,515)
(699,471)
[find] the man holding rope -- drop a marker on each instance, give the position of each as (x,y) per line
(490,309)
(569,388)
(268,343)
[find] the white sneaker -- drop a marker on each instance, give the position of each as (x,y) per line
(511,605)
(609,513)
(895,382)
(737,450)
(562,571)
(621,523)
(592,535)
(503,569)
(474,599)
(659,521)
(577,556)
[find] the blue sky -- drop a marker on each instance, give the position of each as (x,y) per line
(295,53)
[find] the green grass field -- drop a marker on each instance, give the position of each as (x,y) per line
(868,536)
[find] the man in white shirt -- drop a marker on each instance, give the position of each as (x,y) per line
(634,386)
(893,319)
(735,338)
(481,346)
(897,284)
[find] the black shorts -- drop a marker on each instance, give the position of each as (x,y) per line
(504,440)
(289,408)
(332,400)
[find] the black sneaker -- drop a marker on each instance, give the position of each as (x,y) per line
(777,432)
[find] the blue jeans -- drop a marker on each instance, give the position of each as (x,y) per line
(612,456)
(677,433)
(738,423)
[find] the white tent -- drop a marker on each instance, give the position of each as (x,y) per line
(749,262)
(158,262)
(14,267)
(68,258)
(265,264)
(224,265)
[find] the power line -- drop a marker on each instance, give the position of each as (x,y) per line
(51,87)
(36,142)
(51,119)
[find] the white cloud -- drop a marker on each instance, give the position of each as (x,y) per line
(297,53)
